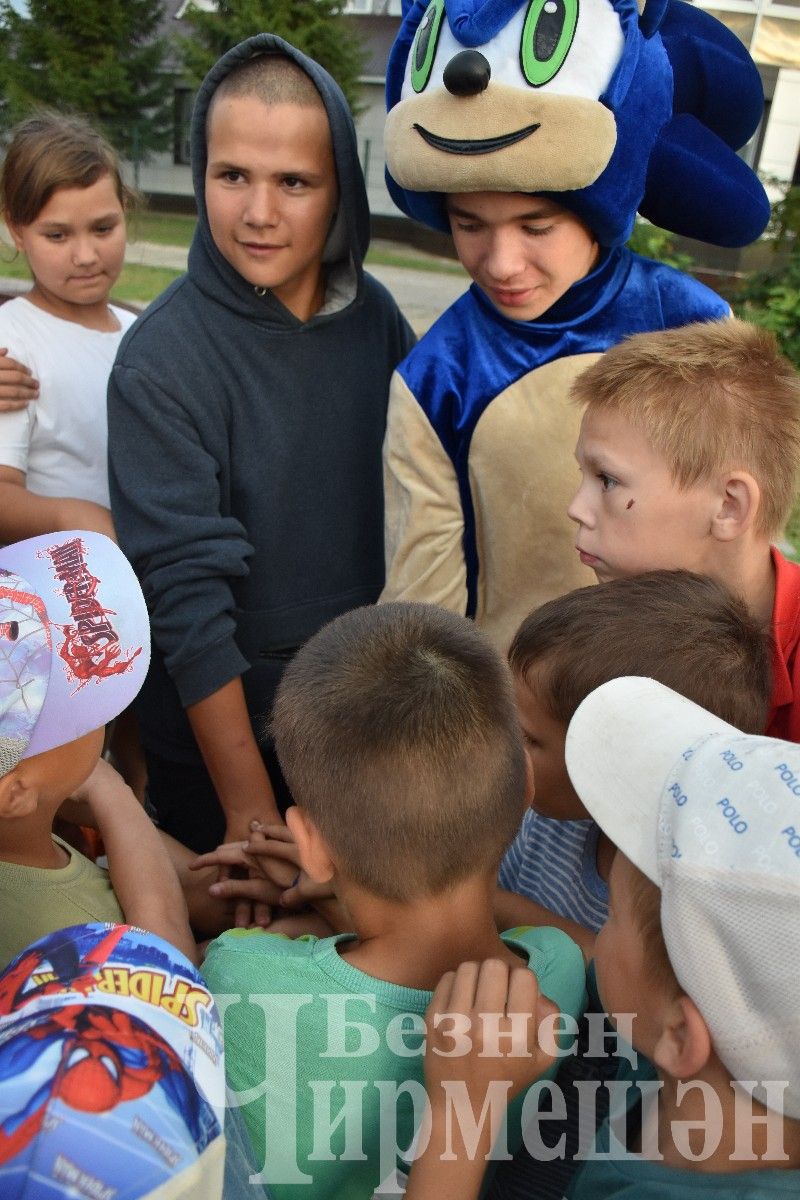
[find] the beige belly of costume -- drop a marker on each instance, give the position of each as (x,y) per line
(523,474)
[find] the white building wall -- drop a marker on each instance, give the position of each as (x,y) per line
(369,131)
(782,138)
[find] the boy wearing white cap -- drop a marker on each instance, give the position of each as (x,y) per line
(74,650)
(699,946)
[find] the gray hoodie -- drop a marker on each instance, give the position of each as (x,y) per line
(245,450)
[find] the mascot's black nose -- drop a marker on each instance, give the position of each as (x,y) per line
(467,74)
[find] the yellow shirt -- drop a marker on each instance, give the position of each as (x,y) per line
(37,900)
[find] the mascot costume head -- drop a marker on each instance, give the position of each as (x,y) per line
(604,108)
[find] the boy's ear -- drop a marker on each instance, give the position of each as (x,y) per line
(16,800)
(740,502)
(684,1046)
(315,858)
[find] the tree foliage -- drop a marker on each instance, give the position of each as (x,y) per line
(772,298)
(100,58)
(654,242)
(317,27)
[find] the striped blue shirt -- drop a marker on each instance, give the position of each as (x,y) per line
(555,864)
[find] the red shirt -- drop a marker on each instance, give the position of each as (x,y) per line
(784,716)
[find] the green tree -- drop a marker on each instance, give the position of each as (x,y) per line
(772,297)
(317,27)
(100,58)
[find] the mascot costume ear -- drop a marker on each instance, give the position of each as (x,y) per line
(603,108)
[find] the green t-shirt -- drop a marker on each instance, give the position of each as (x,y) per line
(325,1055)
(39,900)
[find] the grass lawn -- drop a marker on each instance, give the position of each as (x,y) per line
(165,229)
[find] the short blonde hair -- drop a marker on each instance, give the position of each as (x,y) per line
(709,397)
(397,732)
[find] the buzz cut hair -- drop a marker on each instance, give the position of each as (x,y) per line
(270,78)
(396,730)
(709,397)
(686,631)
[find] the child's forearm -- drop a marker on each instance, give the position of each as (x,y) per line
(142,876)
(511,910)
(23,514)
(221,726)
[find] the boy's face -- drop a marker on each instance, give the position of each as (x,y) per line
(544,737)
(271,195)
(523,251)
(47,779)
(630,513)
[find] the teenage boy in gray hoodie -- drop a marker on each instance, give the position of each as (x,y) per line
(246,414)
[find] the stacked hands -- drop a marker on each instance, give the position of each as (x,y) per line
(262,875)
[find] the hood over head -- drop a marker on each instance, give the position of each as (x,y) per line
(349,236)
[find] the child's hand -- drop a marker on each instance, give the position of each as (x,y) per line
(505,1018)
(105,787)
(241,880)
(17,385)
(484,1027)
(274,848)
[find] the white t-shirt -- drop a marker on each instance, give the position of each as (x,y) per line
(59,441)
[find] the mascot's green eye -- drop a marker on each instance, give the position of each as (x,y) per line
(546,38)
(423,51)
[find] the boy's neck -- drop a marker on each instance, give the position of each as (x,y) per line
(414,944)
(745,567)
(756,1148)
(28,842)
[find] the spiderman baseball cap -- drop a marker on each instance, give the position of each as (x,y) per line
(112,1069)
(74,640)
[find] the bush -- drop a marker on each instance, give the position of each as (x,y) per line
(771,298)
(657,243)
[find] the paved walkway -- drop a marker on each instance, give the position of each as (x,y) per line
(422,295)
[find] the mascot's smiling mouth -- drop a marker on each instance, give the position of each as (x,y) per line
(474,146)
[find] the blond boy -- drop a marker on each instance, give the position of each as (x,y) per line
(689,451)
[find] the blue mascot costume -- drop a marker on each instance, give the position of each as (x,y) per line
(606,111)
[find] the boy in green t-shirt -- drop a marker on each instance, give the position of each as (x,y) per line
(397,732)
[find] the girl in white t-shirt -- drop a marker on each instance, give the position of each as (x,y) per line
(64,202)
